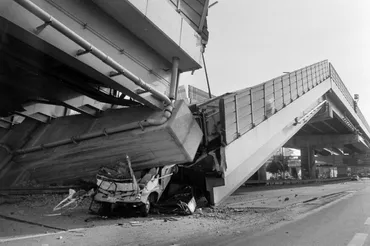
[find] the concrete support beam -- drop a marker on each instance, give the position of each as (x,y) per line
(330,126)
(308,163)
(88,110)
(342,171)
(315,128)
(338,150)
(322,141)
(40,117)
(333,151)
(84,109)
(325,114)
(5,123)
(262,173)
(361,145)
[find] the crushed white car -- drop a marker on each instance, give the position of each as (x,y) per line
(139,189)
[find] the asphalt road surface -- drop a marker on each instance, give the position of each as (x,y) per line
(344,222)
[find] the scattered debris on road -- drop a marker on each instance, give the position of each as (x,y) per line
(135,223)
(73,199)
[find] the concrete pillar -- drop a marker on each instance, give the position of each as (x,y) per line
(342,171)
(308,163)
(262,173)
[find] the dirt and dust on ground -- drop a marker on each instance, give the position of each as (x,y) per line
(30,220)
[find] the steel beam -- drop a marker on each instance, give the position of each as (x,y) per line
(40,117)
(314,127)
(203,17)
(5,123)
(89,111)
(330,126)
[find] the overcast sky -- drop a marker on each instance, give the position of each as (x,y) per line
(252,41)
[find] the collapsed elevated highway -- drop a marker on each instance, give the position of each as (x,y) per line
(302,109)
(80,92)
(78,77)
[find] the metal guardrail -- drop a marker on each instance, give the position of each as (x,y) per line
(338,81)
(241,111)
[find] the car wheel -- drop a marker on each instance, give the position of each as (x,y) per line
(145,208)
(105,208)
(175,169)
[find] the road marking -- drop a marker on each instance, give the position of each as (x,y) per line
(10,239)
(367,222)
(358,239)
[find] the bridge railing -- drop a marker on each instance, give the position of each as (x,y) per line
(338,81)
(243,110)
(238,112)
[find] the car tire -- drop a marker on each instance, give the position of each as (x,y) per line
(145,208)
(175,169)
(105,208)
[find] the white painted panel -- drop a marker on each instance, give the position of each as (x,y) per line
(139,4)
(165,18)
(270,127)
(245,155)
(190,41)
